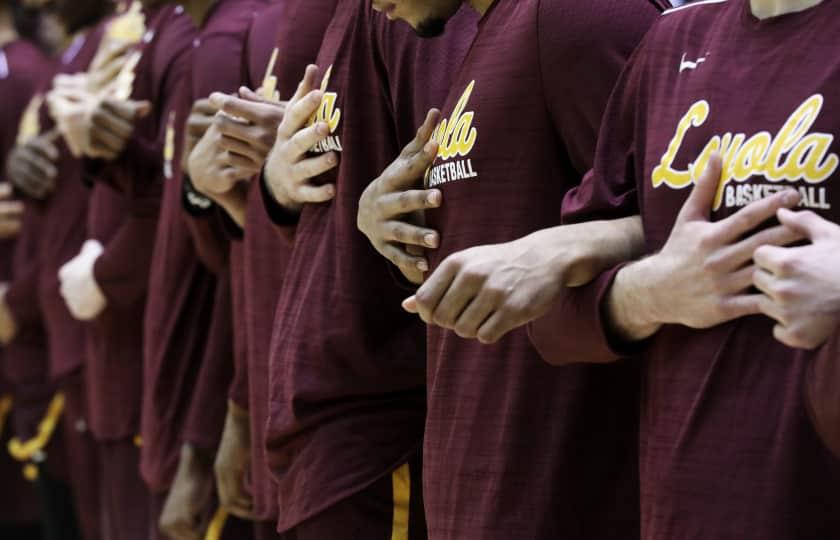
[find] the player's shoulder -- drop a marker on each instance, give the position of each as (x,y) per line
(697,11)
(595,15)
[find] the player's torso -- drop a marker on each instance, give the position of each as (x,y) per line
(500,164)
(763,95)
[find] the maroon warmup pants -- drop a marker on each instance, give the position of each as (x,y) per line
(82,452)
(266,530)
(392,508)
(125,497)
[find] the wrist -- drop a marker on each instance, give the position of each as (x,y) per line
(195,457)
(279,195)
(632,302)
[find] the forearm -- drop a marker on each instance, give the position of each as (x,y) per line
(593,247)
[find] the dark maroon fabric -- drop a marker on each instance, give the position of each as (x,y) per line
(823,402)
(18,500)
(208,406)
(221,43)
(534,452)
(63,232)
(127,503)
(727,446)
(82,454)
(347,364)
(25,359)
(179,313)
(368,514)
(296,28)
(124,222)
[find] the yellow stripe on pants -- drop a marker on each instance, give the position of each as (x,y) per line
(401,480)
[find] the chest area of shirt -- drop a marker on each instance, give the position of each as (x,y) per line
(769,139)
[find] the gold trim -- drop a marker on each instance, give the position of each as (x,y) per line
(401,481)
(6,402)
(217,525)
(25,451)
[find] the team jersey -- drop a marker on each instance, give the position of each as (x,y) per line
(516,448)
(727,447)
(347,378)
(122,215)
(287,35)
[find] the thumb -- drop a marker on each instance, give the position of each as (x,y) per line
(141,108)
(410,304)
(806,223)
(698,206)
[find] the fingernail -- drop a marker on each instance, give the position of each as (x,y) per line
(332,159)
(323,129)
(316,98)
(433,198)
(423,266)
(429,148)
(430,240)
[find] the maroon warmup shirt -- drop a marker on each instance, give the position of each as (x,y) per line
(122,216)
(347,394)
(28,362)
(23,68)
(219,65)
(727,447)
(64,229)
(25,359)
(295,28)
(178,312)
(515,448)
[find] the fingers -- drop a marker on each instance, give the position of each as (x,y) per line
(307,84)
(404,260)
(11,209)
(315,194)
(807,223)
(204,107)
(734,256)
(433,290)
(774,259)
(495,328)
(410,304)
(312,167)
(406,202)
(129,110)
(406,233)
(257,112)
(699,202)
(411,168)
(766,282)
(305,139)
(739,306)
(298,115)
(236,146)
(424,133)
(751,216)
(479,310)
(242,166)
(6,191)
(104,119)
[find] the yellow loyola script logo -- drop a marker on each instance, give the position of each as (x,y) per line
(456,137)
(327,112)
(793,154)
